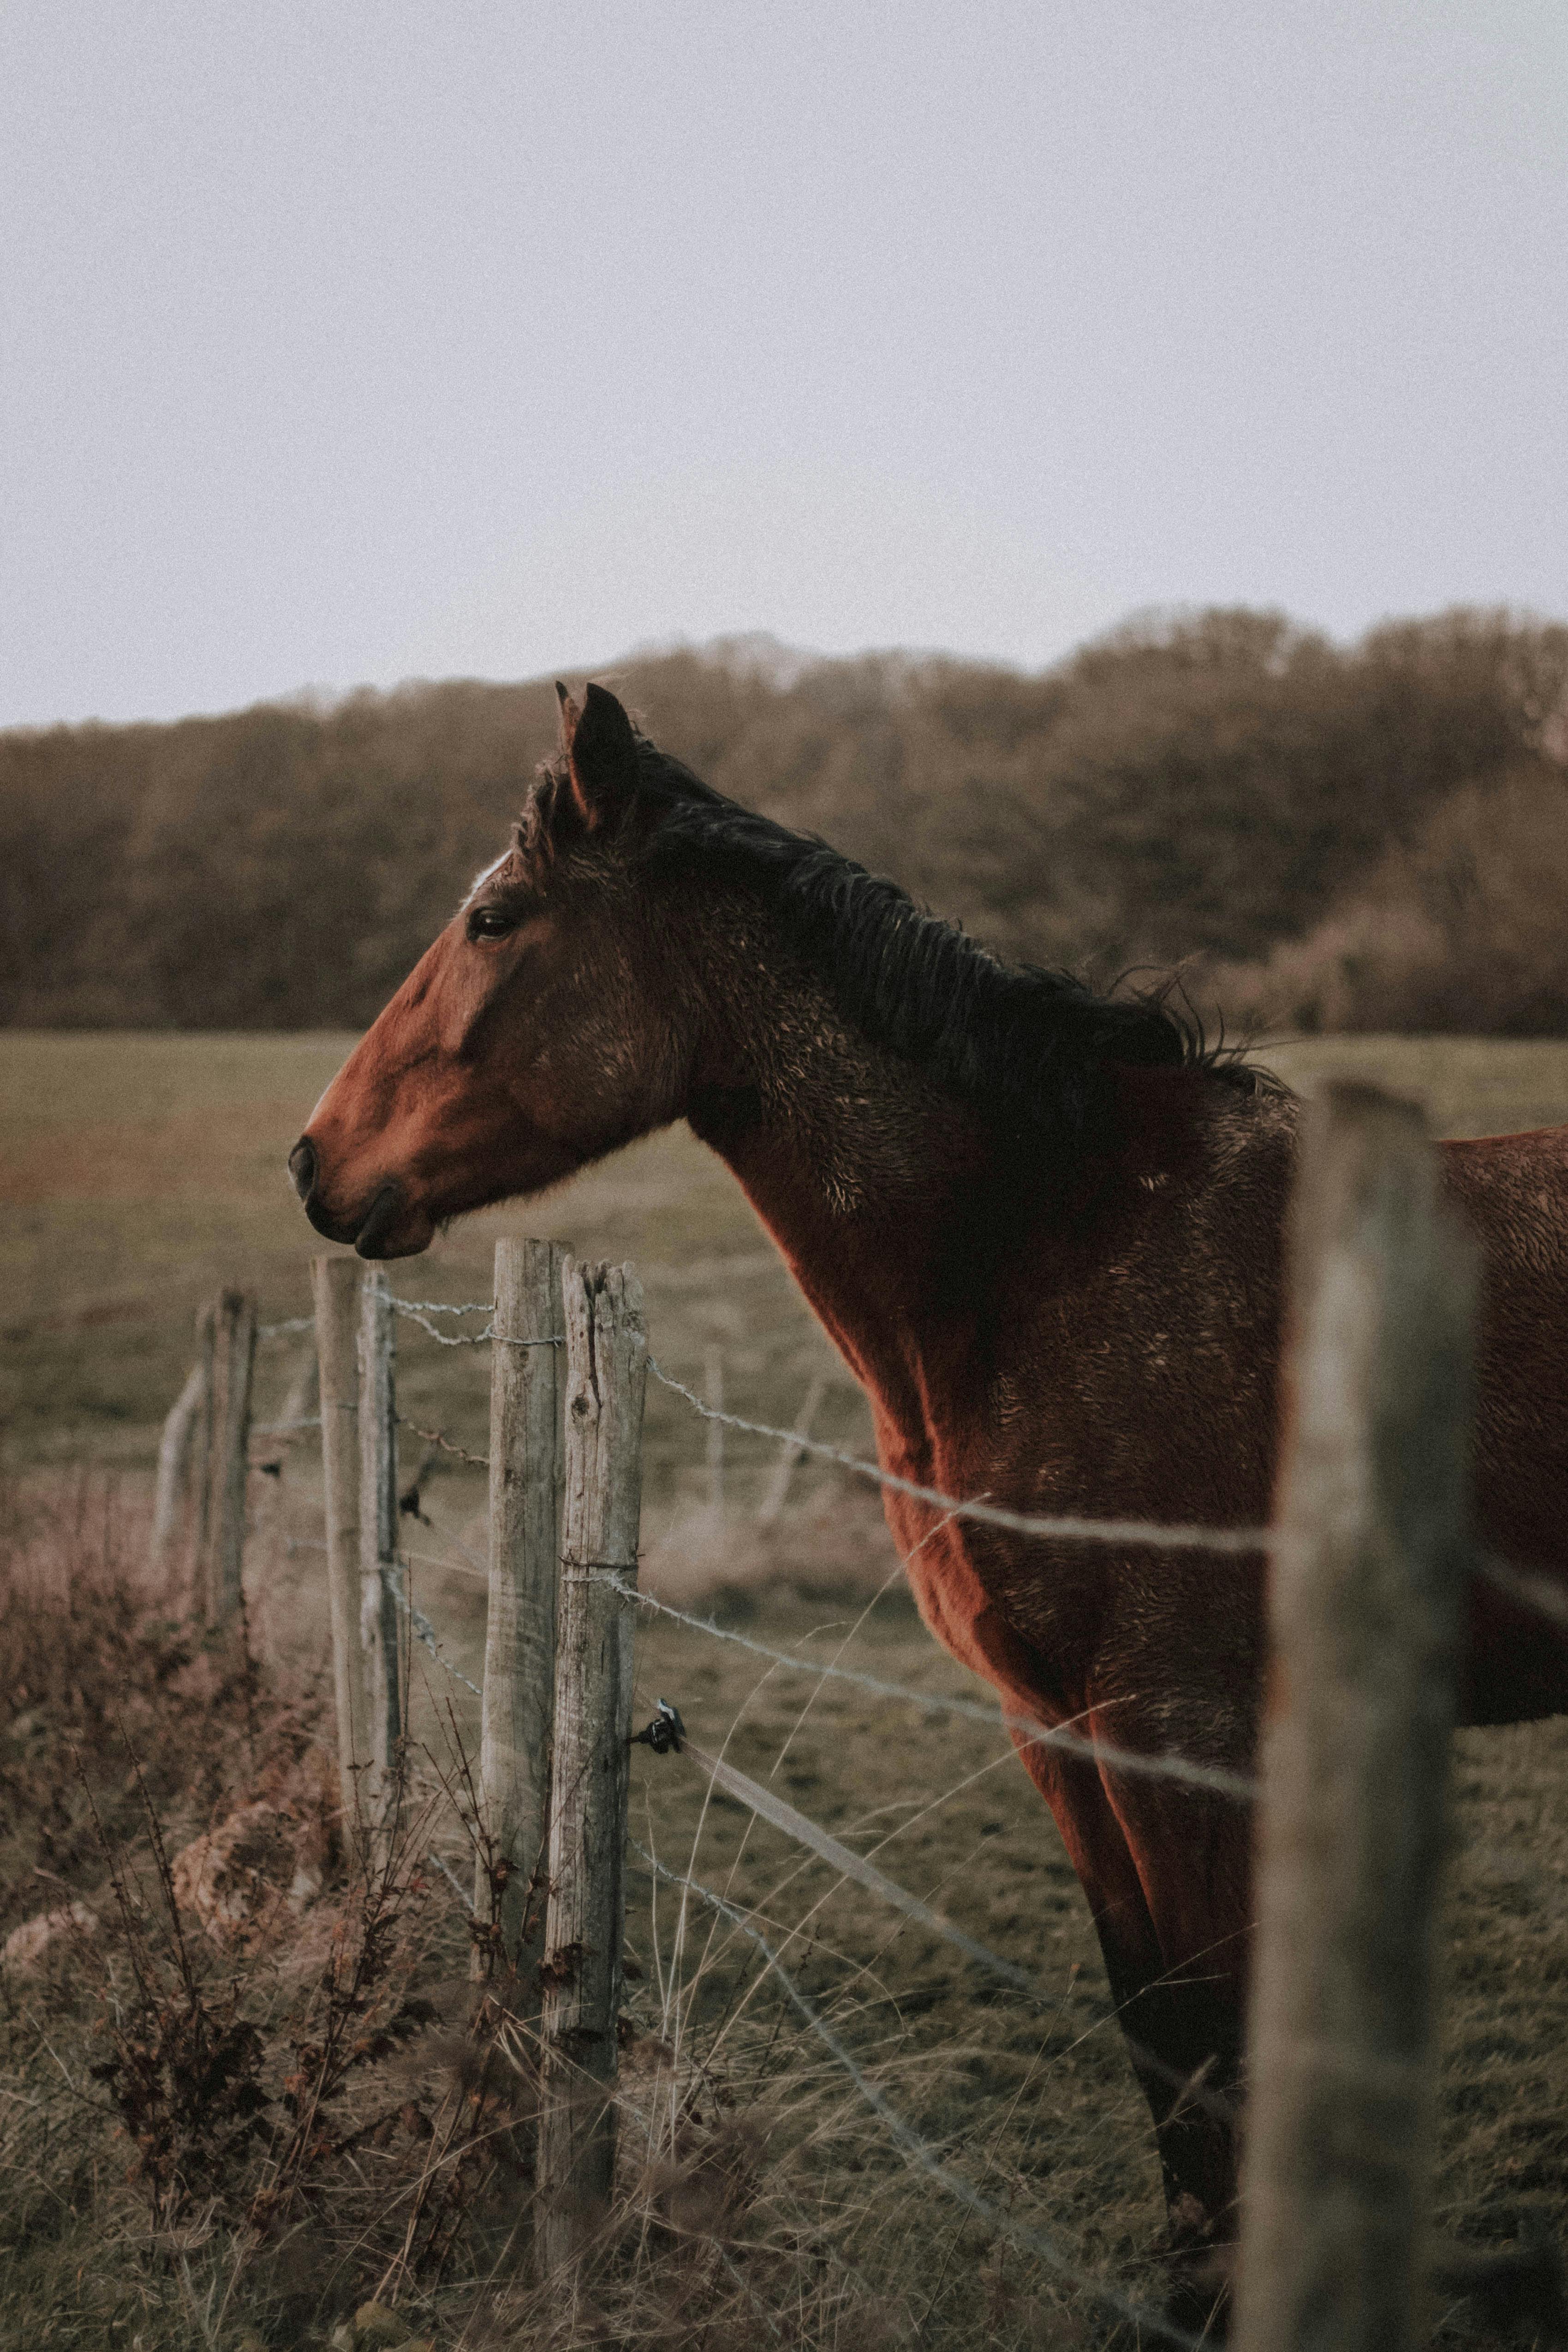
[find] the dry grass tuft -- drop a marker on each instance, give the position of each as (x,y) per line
(255,2094)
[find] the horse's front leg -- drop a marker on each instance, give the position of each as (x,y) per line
(1180,2016)
(1192,1852)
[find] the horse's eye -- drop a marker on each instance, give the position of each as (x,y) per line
(490,923)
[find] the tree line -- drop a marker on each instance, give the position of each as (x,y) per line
(1312,836)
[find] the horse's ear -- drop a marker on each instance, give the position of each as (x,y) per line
(601,756)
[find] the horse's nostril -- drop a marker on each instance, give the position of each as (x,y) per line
(302,1167)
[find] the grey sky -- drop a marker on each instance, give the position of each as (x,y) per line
(344,343)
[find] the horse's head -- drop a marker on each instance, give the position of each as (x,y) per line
(544,1027)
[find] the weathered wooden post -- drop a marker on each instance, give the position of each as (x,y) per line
(379,1632)
(222,1555)
(269,1541)
(606,1371)
(528,1379)
(790,1452)
(1371,1549)
(201,1460)
(335,1286)
(177,1450)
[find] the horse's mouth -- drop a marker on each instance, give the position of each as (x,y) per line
(388,1228)
(392,1228)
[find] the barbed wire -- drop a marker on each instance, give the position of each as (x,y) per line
(444,1307)
(423,1626)
(1213,1776)
(1059,1527)
(442,1338)
(419,1310)
(285,1428)
(917,2150)
(859,1868)
(278,1331)
(439,1438)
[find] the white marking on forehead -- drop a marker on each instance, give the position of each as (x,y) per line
(480,880)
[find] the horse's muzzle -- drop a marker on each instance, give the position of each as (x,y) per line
(370,1232)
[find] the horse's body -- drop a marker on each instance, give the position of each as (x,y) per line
(1044,1230)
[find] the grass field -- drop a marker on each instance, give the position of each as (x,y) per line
(142,1173)
(138,1173)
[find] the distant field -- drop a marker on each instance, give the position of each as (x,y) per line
(138,1173)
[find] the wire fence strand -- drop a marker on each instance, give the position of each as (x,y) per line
(918,2151)
(1058,1527)
(425,1630)
(445,1444)
(1211,1777)
(420,1310)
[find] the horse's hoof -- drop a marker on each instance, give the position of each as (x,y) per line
(1198,2256)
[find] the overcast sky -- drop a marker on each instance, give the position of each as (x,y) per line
(342,342)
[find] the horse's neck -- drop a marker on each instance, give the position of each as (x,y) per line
(852,1162)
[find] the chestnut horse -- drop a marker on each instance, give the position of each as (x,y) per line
(1042,1226)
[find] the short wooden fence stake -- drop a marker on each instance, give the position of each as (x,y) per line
(528,1379)
(606,1371)
(173,1495)
(380,1619)
(269,1541)
(790,1453)
(334,1286)
(1371,1549)
(228,1458)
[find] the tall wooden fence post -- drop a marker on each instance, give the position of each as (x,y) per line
(222,1556)
(606,1371)
(379,1628)
(335,1286)
(527,1377)
(1371,1548)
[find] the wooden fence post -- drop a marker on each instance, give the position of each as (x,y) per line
(1371,1549)
(790,1452)
(269,1534)
(606,1371)
(335,1286)
(177,1452)
(222,1556)
(527,1377)
(380,1630)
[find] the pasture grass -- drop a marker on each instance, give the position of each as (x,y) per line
(141,1173)
(758,2198)
(138,1173)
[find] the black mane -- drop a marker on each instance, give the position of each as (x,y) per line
(1030,1049)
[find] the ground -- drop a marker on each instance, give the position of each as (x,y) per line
(141,1173)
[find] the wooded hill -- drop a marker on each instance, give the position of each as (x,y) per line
(1374,837)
